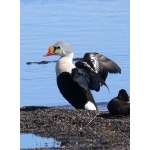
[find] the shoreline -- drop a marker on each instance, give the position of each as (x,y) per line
(77,129)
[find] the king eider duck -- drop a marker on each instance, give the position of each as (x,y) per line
(76,81)
(120,105)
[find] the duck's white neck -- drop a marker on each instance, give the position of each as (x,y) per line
(64,64)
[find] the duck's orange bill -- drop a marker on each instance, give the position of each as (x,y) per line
(50,51)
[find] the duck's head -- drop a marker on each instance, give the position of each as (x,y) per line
(123,95)
(60,48)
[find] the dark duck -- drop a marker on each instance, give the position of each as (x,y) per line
(120,105)
(75,82)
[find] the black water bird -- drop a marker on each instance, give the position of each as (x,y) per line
(75,82)
(120,105)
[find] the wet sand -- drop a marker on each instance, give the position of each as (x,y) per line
(77,129)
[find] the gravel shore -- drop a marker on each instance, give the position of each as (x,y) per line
(77,129)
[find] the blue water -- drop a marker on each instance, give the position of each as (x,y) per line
(101,26)
(33,141)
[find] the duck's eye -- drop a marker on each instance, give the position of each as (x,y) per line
(58,47)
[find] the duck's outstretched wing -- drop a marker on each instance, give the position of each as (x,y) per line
(101,64)
(87,77)
(91,72)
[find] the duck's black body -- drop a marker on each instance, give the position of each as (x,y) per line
(76,81)
(120,105)
(73,92)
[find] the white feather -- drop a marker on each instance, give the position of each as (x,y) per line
(64,64)
(89,106)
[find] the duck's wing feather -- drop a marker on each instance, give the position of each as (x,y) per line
(91,72)
(101,64)
(87,77)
